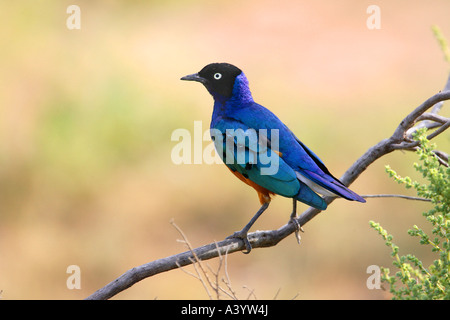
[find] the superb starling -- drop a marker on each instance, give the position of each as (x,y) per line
(261,150)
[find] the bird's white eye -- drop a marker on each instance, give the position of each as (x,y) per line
(217,76)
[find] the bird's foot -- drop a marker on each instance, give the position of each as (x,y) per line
(297,225)
(243,235)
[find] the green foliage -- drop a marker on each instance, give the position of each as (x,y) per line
(442,42)
(417,281)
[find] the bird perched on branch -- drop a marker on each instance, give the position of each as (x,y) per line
(261,150)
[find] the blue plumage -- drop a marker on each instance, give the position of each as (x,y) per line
(300,173)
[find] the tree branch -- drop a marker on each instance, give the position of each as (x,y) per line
(260,239)
(395,196)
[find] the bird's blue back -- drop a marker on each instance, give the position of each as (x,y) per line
(241,112)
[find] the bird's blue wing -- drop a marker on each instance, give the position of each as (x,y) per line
(321,176)
(244,150)
(295,153)
(255,160)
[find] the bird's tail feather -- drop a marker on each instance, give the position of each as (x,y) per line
(306,195)
(332,185)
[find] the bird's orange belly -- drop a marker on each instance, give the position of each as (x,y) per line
(263,194)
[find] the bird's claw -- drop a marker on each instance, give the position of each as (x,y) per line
(243,236)
(298,227)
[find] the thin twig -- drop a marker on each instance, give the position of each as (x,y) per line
(276,294)
(444,127)
(227,279)
(198,265)
(252,293)
(195,261)
(394,196)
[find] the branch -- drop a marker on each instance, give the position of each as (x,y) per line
(395,196)
(261,239)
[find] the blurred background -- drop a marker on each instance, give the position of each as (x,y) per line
(86,117)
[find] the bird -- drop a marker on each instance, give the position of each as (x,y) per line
(299,174)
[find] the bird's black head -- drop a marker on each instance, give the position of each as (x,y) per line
(218,78)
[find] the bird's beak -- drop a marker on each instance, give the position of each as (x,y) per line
(194,77)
